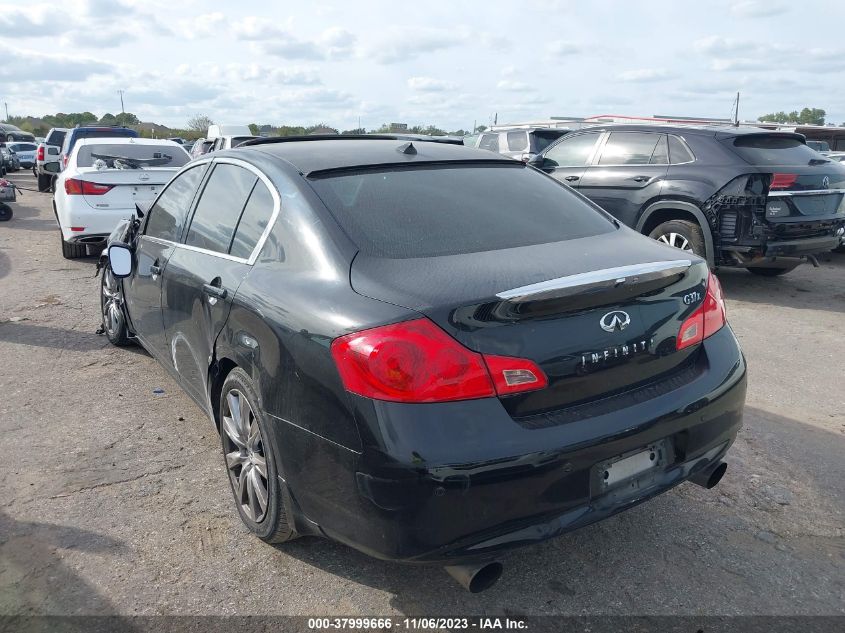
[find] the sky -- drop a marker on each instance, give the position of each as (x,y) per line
(451,64)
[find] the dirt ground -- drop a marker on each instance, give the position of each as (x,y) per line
(115,500)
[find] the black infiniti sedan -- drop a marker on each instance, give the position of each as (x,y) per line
(428,352)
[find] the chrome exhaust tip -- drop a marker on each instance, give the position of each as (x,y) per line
(476,578)
(710,477)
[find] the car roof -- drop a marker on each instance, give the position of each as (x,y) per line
(124,140)
(314,154)
(719,131)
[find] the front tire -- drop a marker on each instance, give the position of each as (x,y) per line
(112,309)
(250,461)
(684,235)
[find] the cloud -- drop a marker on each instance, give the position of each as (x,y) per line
(717,45)
(428,84)
(34,21)
(29,66)
(204,25)
(757,9)
(512,86)
(645,75)
(404,44)
(562,48)
(332,44)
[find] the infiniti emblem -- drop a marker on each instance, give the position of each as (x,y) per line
(826,182)
(616,320)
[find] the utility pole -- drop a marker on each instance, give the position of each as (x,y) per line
(7,111)
(736,111)
(122,111)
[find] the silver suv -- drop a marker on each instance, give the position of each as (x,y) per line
(48,152)
(518,143)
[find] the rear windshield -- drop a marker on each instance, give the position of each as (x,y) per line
(131,156)
(773,150)
(237,140)
(23,147)
(433,211)
(56,137)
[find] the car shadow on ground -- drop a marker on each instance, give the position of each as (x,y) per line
(796,289)
(24,333)
(633,562)
(35,578)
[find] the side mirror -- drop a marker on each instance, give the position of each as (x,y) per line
(120,260)
(536,160)
(52,168)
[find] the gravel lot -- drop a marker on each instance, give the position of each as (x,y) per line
(115,499)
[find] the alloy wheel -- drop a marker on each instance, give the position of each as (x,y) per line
(245,459)
(112,304)
(677,240)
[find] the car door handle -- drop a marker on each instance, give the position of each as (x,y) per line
(215,292)
(572,178)
(640,178)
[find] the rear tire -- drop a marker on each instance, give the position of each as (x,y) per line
(5,212)
(250,461)
(839,249)
(72,251)
(683,235)
(770,272)
(45,182)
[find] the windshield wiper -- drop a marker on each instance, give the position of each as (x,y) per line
(135,163)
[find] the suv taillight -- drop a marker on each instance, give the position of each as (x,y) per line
(416,361)
(782,181)
(708,318)
(76,187)
(39,155)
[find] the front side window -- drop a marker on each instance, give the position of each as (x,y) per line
(167,216)
(629,148)
(219,207)
(571,152)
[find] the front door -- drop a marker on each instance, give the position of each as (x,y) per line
(162,229)
(567,160)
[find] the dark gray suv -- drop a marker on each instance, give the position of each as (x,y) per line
(744,197)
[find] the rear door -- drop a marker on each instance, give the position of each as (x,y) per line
(164,223)
(627,171)
(567,159)
(232,213)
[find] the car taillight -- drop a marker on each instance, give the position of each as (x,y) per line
(76,187)
(40,153)
(707,319)
(782,181)
(64,160)
(416,361)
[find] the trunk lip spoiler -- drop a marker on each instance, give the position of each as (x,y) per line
(595,280)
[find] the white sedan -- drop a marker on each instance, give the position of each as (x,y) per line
(103,180)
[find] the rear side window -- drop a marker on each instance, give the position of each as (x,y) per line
(517,141)
(761,149)
(167,216)
(573,151)
(219,207)
(254,219)
(660,155)
(629,148)
(56,137)
(489,142)
(678,151)
(434,211)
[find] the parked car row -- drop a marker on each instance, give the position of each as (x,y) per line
(758,199)
(221,137)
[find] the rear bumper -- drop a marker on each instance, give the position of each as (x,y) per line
(800,247)
(452,482)
(97,223)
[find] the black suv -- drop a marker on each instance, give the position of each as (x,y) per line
(737,196)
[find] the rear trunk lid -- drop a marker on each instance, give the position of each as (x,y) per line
(599,315)
(126,187)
